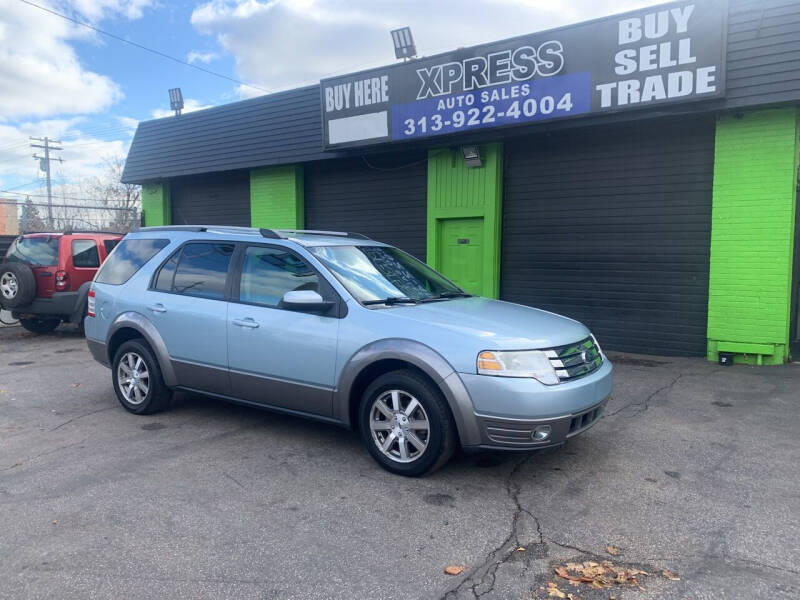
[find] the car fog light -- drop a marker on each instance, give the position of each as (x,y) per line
(541,433)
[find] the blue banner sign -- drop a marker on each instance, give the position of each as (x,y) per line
(510,104)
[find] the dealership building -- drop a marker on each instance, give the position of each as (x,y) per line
(637,172)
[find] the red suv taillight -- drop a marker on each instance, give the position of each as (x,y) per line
(62,281)
(90,304)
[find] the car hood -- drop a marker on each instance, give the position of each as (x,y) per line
(498,325)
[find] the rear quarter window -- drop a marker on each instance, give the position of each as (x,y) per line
(40,251)
(127,258)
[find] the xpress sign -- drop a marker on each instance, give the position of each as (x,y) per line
(666,54)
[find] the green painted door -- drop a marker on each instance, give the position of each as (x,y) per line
(461,254)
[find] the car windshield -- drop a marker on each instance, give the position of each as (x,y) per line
(39,251)
(373,274)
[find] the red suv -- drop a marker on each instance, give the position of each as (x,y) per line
(45,277)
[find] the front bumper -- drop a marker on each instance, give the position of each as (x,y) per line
(507,411)
(517,434)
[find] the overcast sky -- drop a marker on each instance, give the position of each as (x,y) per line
(68,82)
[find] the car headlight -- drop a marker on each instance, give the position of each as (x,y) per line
(596,343)
(525,363)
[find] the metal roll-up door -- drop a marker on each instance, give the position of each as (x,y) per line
(217,199)
(612,226)
(383,197)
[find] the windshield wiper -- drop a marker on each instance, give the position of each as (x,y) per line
(446,296)
(391,300)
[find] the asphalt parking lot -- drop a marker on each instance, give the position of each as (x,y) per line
(695,469)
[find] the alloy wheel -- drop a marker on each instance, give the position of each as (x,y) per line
(9,286)
(133,378)
(399,425)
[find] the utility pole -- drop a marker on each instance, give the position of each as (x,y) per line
(44,163)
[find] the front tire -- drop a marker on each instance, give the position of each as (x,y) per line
(137,379)
(406,424)
(40,326)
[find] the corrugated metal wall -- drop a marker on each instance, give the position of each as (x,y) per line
(612,226)
(217,199)
(763,57)
(383,197)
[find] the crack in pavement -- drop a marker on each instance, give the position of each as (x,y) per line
(485,574)
(723,557)
(645,404)
(29,459)
(570,547)
(67,422)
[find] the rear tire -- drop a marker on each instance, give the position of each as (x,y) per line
(40,326)
(17,285)
(406,424)
(137,379)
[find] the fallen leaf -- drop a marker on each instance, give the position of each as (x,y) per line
(554,592)
(612,550)
(670,575)
(454,569)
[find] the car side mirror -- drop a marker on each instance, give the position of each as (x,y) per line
(305,301)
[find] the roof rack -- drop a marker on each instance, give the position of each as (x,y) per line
(282,234)
(192,228)
(203,228)
(70,232)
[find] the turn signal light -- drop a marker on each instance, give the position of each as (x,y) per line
(488,362)
(90,300)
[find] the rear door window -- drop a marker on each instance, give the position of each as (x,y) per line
(127,258)
(84,254)
(39,251)
(202,270)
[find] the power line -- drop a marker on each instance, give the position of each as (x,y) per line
(45,196)
(16,187)
(142,47)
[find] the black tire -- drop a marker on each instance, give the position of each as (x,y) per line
(157,396)
(23,288)
(40,326)
(441,437)
(82,326)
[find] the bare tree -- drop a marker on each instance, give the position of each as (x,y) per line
(123,200)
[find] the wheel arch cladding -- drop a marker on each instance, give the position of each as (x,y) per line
(387,355)
(131,325)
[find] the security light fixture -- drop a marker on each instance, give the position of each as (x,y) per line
(403,43)
(176,100)
(472,156)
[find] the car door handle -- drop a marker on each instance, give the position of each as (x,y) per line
(158,308)
(248,322)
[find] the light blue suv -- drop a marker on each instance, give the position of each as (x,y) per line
(340,328)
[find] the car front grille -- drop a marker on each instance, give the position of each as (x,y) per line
(575,360)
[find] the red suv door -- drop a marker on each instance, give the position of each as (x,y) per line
(83,260)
